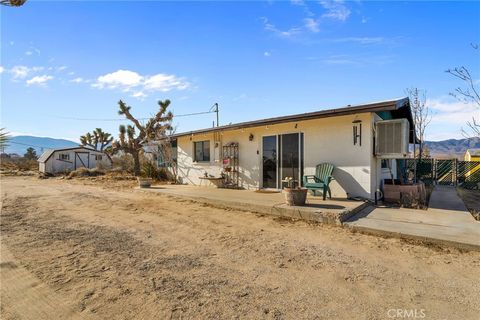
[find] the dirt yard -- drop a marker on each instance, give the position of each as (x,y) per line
(72,249)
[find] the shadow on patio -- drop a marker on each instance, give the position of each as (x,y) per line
(333,211)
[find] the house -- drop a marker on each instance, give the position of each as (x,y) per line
(261,154)
(472,154)
(69,159)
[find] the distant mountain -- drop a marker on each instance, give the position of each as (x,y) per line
(451,148)
(19,144)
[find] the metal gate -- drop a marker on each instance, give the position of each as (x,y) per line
(447,172)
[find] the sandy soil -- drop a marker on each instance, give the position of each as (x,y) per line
(74,249)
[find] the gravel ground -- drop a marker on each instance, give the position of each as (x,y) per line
(111,252)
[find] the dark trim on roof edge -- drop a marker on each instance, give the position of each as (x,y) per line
(73,148)
(388,105)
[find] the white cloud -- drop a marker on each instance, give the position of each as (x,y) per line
(119,79)
(165,82)
(284,34)
(78,80)
(267,54)
(139,95)
(21,72)
(61,68)
(297,2)
(32,50)
(2,69)
(139,85)
(311,24)
(335,9)
(39,80)
(362,40)
(448,117)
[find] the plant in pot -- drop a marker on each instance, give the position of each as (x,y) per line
(148,172)
(294,194)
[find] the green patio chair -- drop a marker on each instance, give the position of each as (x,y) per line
(321,180)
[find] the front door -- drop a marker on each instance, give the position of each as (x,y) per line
(282,157)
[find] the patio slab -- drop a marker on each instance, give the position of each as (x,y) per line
(446,222)
(333,211)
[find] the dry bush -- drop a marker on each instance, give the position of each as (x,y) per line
(150,170)
(123,162)
(20,164)
(85,172)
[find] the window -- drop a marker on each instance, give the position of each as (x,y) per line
(98,157)
(202,151)
(64,156)
(384,164)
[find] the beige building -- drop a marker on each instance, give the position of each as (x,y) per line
(270,150)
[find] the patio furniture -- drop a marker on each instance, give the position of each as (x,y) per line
(321,180)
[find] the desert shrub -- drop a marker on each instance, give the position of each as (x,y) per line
(85,172)
(123,162)
(21,164)
(150,170)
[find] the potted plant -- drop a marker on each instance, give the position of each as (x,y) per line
(144,182)
(294,195)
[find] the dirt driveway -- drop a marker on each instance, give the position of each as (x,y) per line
(74,250)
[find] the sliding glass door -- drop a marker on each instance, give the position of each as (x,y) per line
(282,158)
(269,155)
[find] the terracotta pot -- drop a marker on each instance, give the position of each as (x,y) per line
(144,182)
(295,197)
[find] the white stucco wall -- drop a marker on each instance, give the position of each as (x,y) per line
(357,171)
(55,165)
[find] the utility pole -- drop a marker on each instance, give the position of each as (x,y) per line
(214,108)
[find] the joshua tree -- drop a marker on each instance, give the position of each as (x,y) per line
(4,137)
(131,141)
(31,154)
(469,94)
(12,3)
(98,139)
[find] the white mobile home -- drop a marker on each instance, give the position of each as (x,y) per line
(264,153)
(69,159)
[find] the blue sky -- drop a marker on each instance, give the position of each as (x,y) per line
(256,59)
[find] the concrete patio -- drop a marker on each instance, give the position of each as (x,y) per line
(333,211)
(446,222)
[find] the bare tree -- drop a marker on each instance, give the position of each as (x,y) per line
(421,115)
(468,94)
(97,140)
(168,152)
(155,129)
(4,138)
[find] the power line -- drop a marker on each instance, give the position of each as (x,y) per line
(123,119)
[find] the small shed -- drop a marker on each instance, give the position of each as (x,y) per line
(472,154)
(69,159)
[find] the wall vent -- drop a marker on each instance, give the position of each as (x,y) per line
(391,139)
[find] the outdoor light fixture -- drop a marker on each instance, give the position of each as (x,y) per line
(357,132)
(250,137)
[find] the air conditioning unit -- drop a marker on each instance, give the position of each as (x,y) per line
(391,139)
